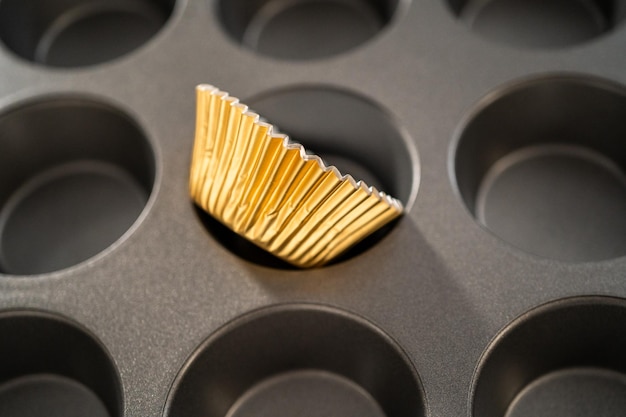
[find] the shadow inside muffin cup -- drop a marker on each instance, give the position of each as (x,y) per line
(52,367)
(76,33)
(297,360)
(76,174)
(542,165)
(563,359)
(542,24)
(304,29)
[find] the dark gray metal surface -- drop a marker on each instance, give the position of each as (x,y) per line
(438,284)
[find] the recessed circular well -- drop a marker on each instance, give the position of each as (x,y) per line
(542,165)
(52,367)
(77,33)
(297,360)
(541,23)
(564,359)
(304,29)
(75,174)
(347,131)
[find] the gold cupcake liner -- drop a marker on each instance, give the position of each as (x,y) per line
(271,192)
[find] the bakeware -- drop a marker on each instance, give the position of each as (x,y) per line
(500,291)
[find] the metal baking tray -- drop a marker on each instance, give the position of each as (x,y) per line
(499,124)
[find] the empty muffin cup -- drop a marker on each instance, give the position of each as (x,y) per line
(540,23)
(304,29)
(563,359)
(76,174)
(542,164)
(297,360)
(77,33)
(53,367)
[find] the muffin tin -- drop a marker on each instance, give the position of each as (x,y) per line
(500,292)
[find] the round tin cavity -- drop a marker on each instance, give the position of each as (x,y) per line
(78,33)
(304,393)
(58,396)
(344,129)
(52,367)
(299,360)
(540,23)
(542,166)
(304,29)
(564,359)
(76,174)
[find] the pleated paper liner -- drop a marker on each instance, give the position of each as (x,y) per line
(268,190)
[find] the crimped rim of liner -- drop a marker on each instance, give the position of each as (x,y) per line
(290,145)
